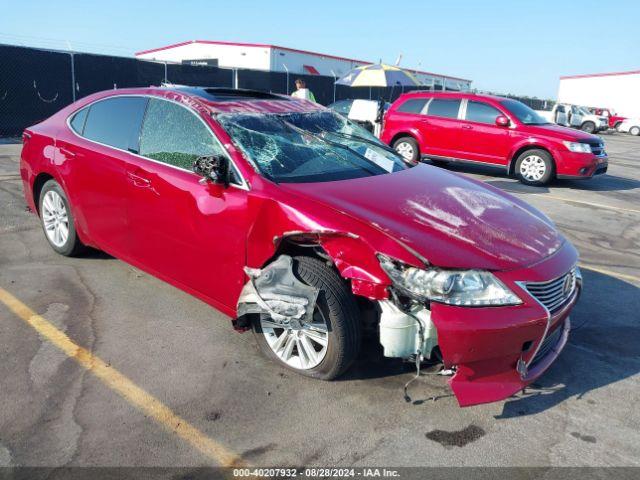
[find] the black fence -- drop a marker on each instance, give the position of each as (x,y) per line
(36,83)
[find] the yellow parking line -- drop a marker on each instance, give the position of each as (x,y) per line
(116,381)
(611,273)
(591,204)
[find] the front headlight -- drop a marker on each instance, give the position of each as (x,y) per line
(453,287)
(578,147)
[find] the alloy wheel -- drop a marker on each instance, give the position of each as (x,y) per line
(533,168)
(405,149)
(301,345)
(55,218)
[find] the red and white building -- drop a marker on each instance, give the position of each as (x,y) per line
(618,91)
(257,56)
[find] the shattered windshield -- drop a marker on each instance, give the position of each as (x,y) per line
(316,146)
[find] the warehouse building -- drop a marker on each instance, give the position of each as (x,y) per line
(278,59)
(618,91)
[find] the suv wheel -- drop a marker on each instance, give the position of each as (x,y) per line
(57,220)
(535,167)
(407,148)
(634,131)
(588,127)
(326,345)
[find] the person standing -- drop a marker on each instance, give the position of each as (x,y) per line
(302,91)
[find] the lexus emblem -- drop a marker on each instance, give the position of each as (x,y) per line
(567,286)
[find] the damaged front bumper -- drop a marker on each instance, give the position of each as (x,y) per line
(498,351)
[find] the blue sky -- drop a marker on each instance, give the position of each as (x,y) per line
(504,46)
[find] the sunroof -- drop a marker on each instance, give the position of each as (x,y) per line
(214,94)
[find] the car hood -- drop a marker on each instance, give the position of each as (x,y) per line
(562,133)
(450,220)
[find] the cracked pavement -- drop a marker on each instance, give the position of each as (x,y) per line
(54,413)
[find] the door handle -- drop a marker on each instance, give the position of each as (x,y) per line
(467,127)
(139,181)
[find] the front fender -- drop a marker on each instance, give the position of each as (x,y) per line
(351,245)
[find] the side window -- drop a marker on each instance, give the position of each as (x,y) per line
(481,112)
(444,108)
(115,121)
(413,105)
(174,135)
(78,120)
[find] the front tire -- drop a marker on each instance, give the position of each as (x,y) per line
(588,127)
(407,148)
(634,131)
(57,220)
(326,346)
(535,167)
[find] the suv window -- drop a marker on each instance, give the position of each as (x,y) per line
(174,135)
(444,108)
(115,121)
(481,112)
(78,120)
(413,105)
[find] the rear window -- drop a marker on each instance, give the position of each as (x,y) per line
(413,105)
(444,108)
(116,122)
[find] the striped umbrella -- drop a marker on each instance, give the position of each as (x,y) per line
(378,75)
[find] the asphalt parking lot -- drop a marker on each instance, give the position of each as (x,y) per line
(178,387)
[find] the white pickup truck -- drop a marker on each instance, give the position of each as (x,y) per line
(576,117)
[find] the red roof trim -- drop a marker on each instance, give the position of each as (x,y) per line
(589,75)
(295,50)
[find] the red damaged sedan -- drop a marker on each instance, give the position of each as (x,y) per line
(299,224)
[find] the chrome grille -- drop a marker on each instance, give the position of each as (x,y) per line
(548,343)
(554,293)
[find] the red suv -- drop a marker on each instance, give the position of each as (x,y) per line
(305,228)
(464,127)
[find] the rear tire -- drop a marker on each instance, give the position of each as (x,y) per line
(535,167)
(57,220)
(634,131)
(336,305)
(588,127)
(407,148)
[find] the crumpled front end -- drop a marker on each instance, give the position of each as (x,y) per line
(498,351)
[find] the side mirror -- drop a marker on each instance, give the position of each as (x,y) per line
(502,121)
(214,168)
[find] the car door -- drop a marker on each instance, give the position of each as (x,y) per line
(185,230)
(481,139)
(441,128)
(96,147)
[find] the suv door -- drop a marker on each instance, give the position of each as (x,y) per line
(96,147)
(441,128)
(188,232)
(481,139)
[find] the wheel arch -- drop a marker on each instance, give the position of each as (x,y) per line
(407,133)
(38,183)
(529,146)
